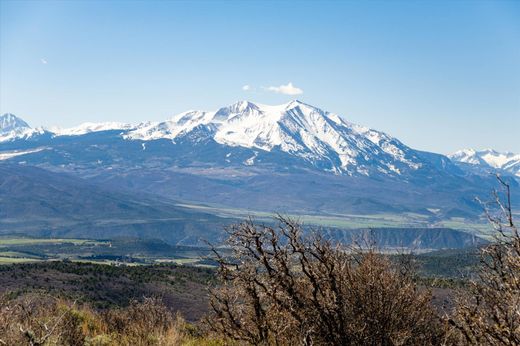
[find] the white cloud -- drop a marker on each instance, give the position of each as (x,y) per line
(43,61)
(246,87)
(288,89)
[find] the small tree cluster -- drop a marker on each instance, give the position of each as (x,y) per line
(280,287)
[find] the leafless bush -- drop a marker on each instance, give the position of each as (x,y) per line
(40,319)
(37,320)
(144,323)
(490,314)
(280,287)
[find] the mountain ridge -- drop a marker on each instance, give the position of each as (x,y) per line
(326,136)
(13,128)
(321,138)
(489,159)
(292,157)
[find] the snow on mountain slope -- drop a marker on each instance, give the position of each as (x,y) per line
(292,131)
(90,127)
(12,127)
(10,122)
(179,124)
(296,128)
(489,158)
(5,155)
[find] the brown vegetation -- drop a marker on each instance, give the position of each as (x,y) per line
(489,314)
(39,320)
(280,287)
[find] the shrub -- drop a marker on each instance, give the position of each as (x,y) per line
(38,319)
(280,287)
(490,313)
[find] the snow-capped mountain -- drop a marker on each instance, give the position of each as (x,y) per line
(12,127)
(10,122)
(294,131)
(248,155)
(90,127)
(321,138)
(490,159)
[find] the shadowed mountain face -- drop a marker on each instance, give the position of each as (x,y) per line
(289,158)
(42,203)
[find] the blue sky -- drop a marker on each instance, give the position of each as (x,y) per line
(438,75)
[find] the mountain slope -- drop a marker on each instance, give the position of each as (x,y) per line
(489,160)
(12,128)
(323,139)
(90,127)
(39,202)
(10,122)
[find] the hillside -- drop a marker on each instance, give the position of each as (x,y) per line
(181,288)
(42,203)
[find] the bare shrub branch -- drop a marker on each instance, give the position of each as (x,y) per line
(281,287)
(490,313)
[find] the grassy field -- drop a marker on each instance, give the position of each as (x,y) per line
(478,227)
(10,260)
(128,251)
(21,240)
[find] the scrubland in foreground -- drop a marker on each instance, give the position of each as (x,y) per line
(265,297)
(280,287)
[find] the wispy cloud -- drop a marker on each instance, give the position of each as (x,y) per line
(246,87)
(288,89)
(43,61)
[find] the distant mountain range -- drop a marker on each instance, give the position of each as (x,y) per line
(489,160)
(290,158)
(316,138)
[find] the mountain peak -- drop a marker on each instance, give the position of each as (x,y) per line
(10,122)
(295,128)
(242,106)
(297,103)
(12,128)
